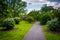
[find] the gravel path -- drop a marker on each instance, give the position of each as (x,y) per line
(35,33)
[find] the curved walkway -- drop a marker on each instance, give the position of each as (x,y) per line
(35,33)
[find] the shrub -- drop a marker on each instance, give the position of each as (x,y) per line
(44,19)
(23,17)
(53,25)
(8,23)
(17,20)
(30,19)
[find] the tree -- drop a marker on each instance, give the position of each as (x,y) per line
(46,8)
(15,6)
(11,8)
(34,14)
(56,12)
(3,10)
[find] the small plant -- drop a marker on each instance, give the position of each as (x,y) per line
(17,20)
(8,23)
(53,25)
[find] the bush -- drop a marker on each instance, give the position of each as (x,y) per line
(53,25)
(44,19)
(23,17)
(30,19)
(17,20)
(8,23)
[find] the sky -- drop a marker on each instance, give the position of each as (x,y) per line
(37,4)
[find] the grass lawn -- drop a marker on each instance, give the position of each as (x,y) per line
(18,33)
(50,36)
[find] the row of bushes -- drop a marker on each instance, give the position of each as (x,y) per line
(53,24)
(28,18)
(9,23)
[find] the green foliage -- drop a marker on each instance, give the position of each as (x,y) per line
(8,23)
(16,7)
(56,12)
(44,18)
(17,20)
(29,19)
(34,14)
(53,25)
(3,10)
(11,8)
(47,9)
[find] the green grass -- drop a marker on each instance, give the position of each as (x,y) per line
(50,36)
(16,34)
